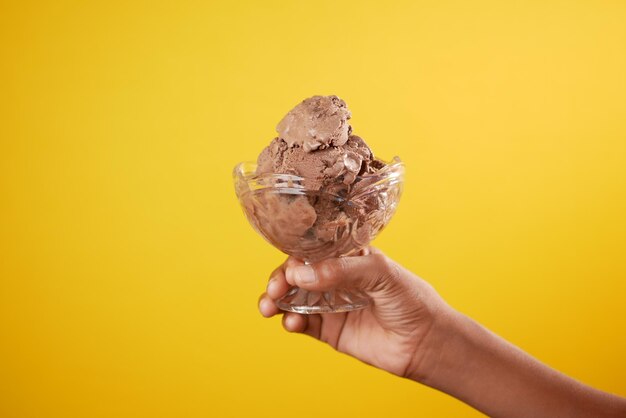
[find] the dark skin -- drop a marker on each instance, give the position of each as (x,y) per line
(411,332)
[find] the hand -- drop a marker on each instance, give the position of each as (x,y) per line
(410,331)
(389,334)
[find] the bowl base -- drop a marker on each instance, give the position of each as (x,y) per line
(309,302)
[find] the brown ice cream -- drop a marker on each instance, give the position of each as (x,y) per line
(321,167)
(336,205)
(315,143)
(317,122)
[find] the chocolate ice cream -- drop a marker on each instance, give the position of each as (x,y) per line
(317,122)
(315,142)
(321,192)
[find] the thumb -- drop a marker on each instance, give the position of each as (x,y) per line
(368,272)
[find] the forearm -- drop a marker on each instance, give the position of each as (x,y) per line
(476,366)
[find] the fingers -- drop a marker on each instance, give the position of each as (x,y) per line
(267,306)
(310,325)
(294,322)
(277,286)
(314,325)
(367,272)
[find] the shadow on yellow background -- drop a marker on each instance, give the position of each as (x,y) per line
(129,276)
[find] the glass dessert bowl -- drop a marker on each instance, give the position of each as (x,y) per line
(315,223)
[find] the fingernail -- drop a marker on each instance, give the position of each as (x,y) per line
(304,274)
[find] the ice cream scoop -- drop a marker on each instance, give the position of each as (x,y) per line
(321,166)
(315,142)
(317,122)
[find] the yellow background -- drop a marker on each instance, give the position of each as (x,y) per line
(129,277)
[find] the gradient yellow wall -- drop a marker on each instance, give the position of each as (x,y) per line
(129,277)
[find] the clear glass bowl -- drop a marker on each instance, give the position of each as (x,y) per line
(314,224)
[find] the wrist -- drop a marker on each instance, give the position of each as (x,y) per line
(437,351)
(464,360)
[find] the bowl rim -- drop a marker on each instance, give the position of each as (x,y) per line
(394,166)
